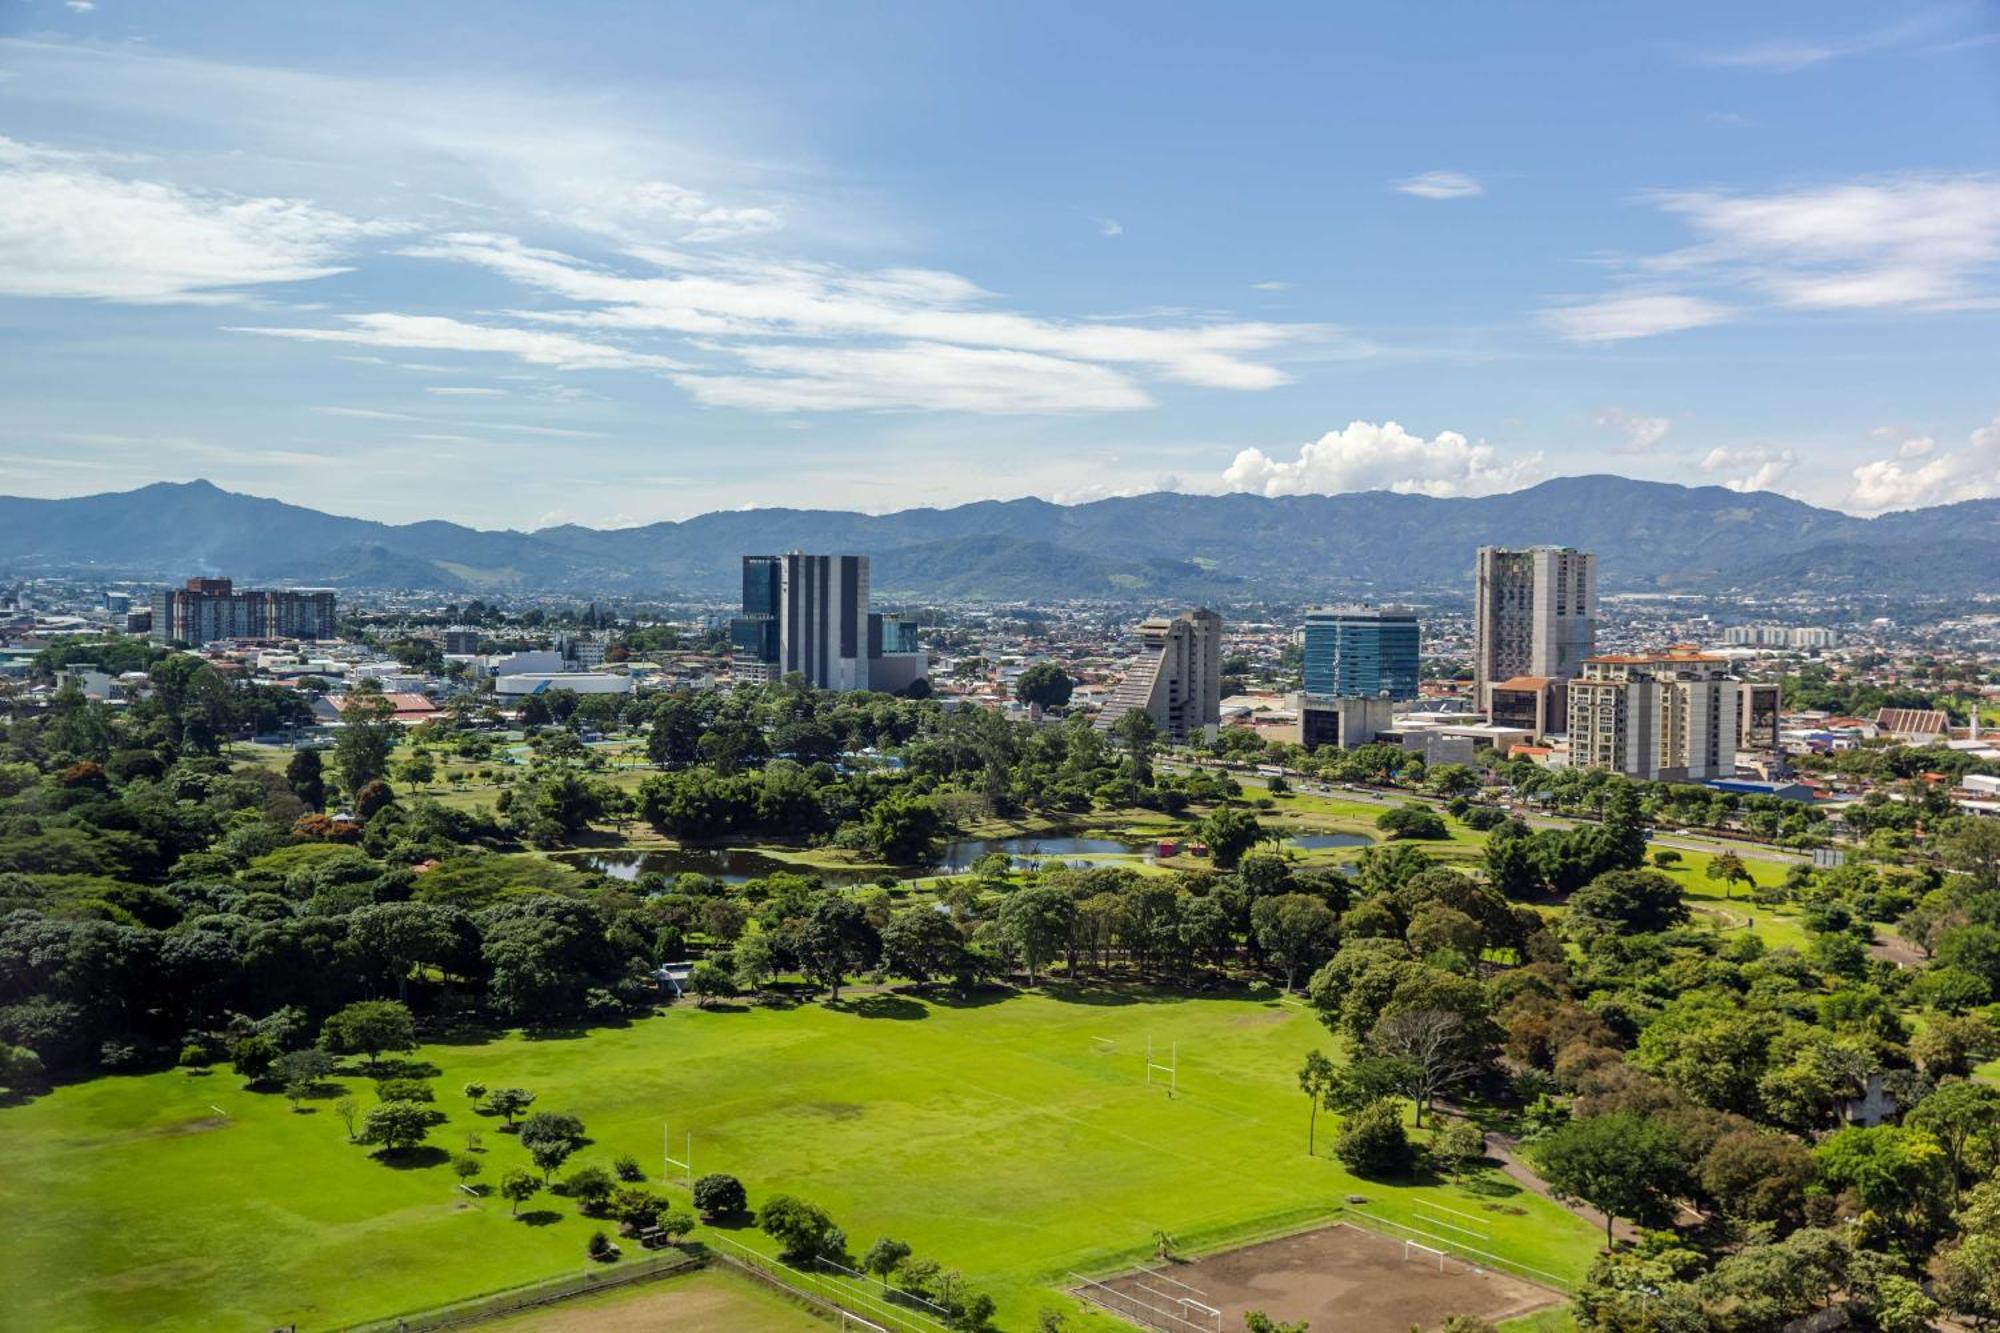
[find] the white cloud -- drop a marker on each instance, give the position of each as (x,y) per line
(1441,185)
(1635,315)
(1766,467)
(915,376)
(1789,55)
(439,334)
(1368,457)
(1920,474)
(70,230)
(905,327)
(1640,433)
(1273,286)
(1910,243)
(80,6)
(1108,227)
(463,391)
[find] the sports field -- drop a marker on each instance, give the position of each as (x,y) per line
(1001,1137)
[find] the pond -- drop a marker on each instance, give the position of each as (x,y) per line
(1315,842)
(731,865)
(1033,852)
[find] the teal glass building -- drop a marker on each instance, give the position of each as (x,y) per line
(1361,652)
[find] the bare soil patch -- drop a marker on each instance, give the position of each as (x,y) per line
(1339,1277)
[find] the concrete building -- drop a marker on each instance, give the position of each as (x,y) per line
(1531,703)
(803,613)
(1177,678)
(1342,723)
(1779,636)
(209,609)
(1534,614)
(1361,652)
(896,660)
(461,641)
(1670,715)
(1759,704)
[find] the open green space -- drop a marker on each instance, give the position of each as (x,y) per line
(1013,1138)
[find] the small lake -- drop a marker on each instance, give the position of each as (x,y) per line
(962,855)
(731,865)
(1316,842)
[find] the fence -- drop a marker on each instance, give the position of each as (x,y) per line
(1458,1249)
(849,1301)
(601,1277)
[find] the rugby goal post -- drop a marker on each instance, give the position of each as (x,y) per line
(684,1163)
(1171,1069)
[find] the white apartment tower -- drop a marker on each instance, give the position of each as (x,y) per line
(1669,716)
(1534,615)
(822,628)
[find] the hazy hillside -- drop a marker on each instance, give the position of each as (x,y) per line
(1163,545)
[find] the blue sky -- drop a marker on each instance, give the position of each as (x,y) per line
(517,264)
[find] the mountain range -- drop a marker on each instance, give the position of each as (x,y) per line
(1649,536)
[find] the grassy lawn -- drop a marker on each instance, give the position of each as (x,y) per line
(715,1300)
(1778,929)
(996,1136)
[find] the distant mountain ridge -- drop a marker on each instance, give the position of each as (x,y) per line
(1651,535)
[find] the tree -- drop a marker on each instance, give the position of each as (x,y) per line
(1044,684)
(1728,870)
(552,1127)
(922,944)
(1295,930)
(1899,1173)
(1230,832)
(253,1056)
(750,963)
(719,1195)
(1435,1048)
(803,1229)
(1138,732)
(1412,820)
(301,1071)
(835,939)
(1623,1164)
(884,1257)
(467,1168)
(509,1102)
(1758,1176)
(1372,1141)
(708,981)
(1970,845)
(367,735)
(518,1186)
(1456,1145)
(370,1027)
(1629,902)
(550,1154)
(591,1185)
(398,1125)
(419,770)
(305,775)
(1256,1321)
(1317,1081)
(1037,922)
(349,1111)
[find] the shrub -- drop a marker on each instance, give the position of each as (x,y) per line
(403,1090)
(590,1186)
(626,1167)
(474,1091)
(1372,1141)
(804,1229)
(599,1247)
(719,1195)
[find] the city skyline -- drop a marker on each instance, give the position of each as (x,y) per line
(738,258)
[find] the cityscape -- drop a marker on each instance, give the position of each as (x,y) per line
(999,668)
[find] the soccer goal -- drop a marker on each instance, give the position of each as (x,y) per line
(1414,1252)
(682,1166)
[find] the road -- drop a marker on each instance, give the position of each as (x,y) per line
(1680,841)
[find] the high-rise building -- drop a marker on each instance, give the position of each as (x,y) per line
(1670,716)
(1177,679)
(1361,652)
(806,614)
(1534,614)
(209,609)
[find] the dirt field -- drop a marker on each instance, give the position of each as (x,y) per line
(1340,1277)
(711,1301)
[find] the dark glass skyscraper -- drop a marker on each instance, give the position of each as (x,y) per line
(1361,652)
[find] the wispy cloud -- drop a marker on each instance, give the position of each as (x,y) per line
(68,229)
(463,391)
(1441,185)
(1108,227)
(1789,55)
(1912,243)
(440,334)
(1639,433)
